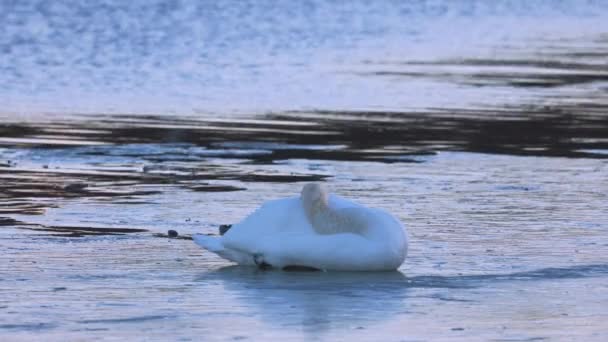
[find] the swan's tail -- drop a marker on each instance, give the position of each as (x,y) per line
(214,244)
(211,243)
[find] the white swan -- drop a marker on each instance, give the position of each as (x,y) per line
(315,230)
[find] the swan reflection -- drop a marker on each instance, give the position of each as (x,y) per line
(314,301)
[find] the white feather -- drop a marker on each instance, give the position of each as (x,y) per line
(315,230)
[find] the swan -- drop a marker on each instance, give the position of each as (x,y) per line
(315,230)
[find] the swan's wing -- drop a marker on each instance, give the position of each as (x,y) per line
(272,218)
(345,252)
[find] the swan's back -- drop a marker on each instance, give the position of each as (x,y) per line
(272,218)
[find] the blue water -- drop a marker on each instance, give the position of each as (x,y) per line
(480,124)
(255,56)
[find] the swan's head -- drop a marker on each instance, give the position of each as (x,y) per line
(314,196)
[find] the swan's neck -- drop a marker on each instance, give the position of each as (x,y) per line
(326,220)
(315,209)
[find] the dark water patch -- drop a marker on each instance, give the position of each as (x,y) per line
(66,235)
(511,79)
(39,183)
(539,131)
(216,188)
(68,231)
(523,339)
(547,63)
(281,178)
(587,54)
(9,221)
(296,268)
(549,130)
(47,191)
(546,72)
(451,299)
(113,304)
(553,273)
(97,229)
(136,319)
(132,202)
(343,155)
(28,326)
(517,188)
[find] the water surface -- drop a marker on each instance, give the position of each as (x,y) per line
(483,127)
